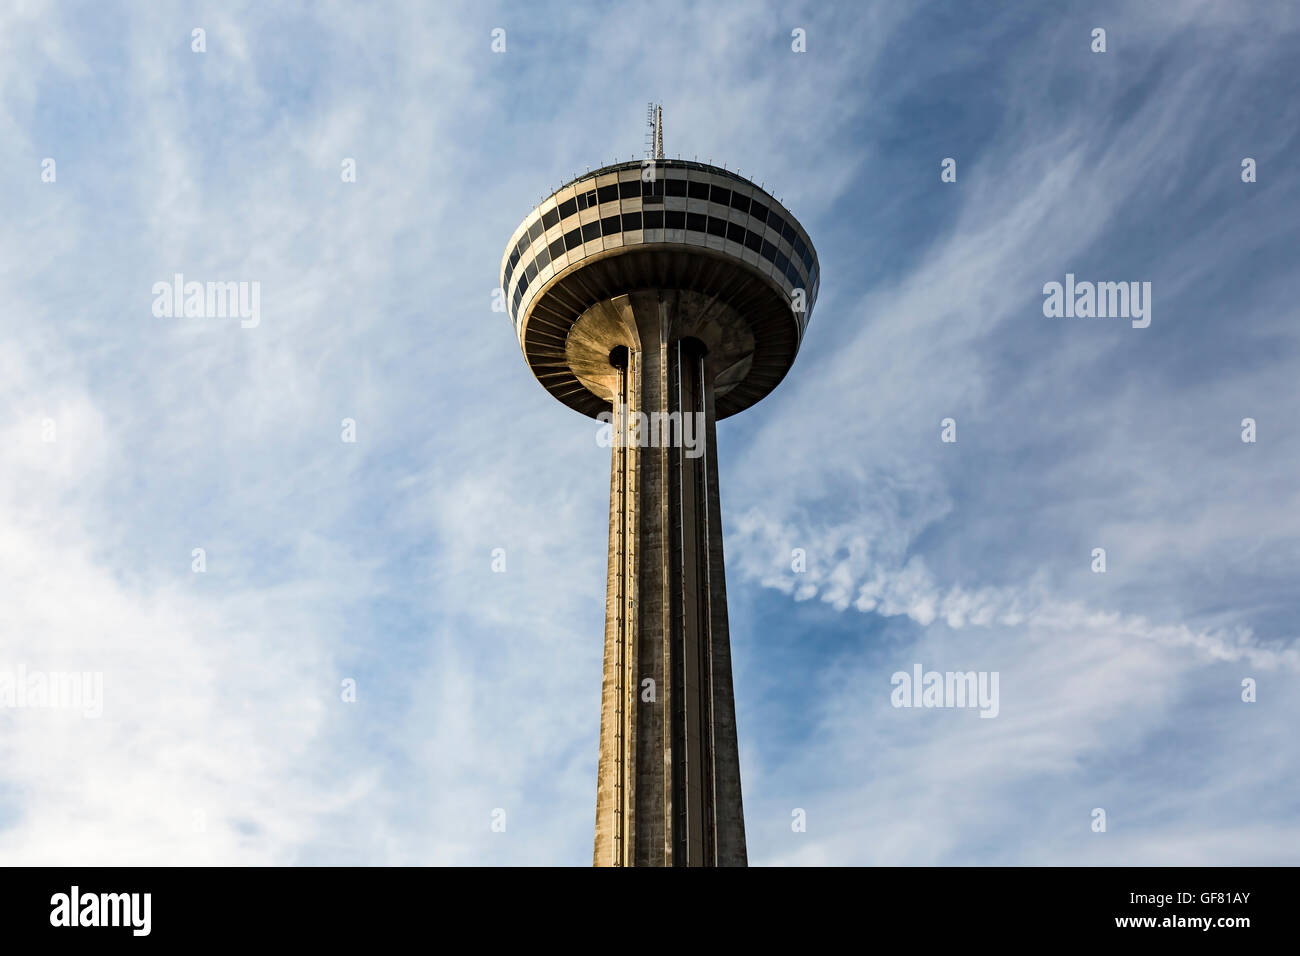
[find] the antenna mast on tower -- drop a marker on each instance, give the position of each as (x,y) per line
(654,137)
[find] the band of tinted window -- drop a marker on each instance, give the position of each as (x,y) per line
(651,193)
(627,189)
(657,219)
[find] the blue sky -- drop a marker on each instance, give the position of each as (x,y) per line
(223,737)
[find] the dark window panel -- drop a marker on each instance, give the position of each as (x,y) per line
(768,251)
(782,263)
(582,201)
(509,271)
(787,230)
(654,219)
(609,225)
(568,208)
(695,221)
(675,220)
(534,231)
(522,245)
(573,238)
(591,198)
(629,188)
(799,247)
(753,241)
(523,284)
(698,190)
(735,232)
(608,193)
(721,196)
(775,221)
(807,260)
(557,248)
(740,202)
(531,271)
(717,227)
(591,231)
(792,273)
(550,218)
(543,258)
(758,211)
(675,187)
(631,221)
(514,258)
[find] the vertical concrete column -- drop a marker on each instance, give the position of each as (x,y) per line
(668,790)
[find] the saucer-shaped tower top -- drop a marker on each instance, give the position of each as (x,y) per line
(671,226)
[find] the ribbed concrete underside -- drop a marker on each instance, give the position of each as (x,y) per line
(664,267)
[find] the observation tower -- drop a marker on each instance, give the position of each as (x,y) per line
(662,296)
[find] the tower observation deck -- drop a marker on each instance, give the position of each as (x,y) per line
(666,292)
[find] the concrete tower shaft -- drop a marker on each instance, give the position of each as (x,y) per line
(668,783)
